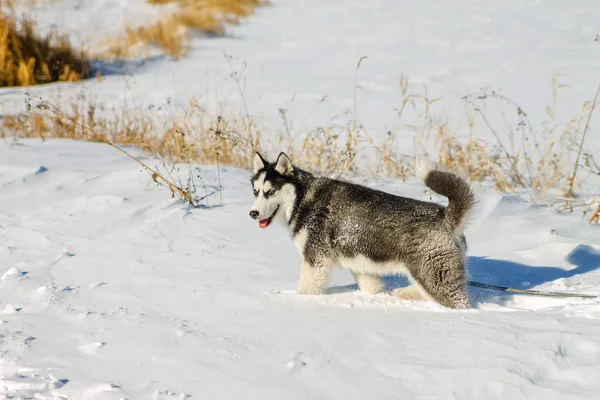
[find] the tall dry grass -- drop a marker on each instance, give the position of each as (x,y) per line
(172,32)
(27,58)
(194,136)
(518,156)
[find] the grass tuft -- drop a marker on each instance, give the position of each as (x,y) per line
(27,58)
(172,33)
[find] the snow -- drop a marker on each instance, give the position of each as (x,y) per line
(299,52)
(111,289)
(79,19)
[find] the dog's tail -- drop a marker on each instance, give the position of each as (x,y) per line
(461,199)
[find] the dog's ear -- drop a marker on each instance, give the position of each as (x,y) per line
(259,162)
(284,164)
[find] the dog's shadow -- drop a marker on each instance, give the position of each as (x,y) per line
(505,273)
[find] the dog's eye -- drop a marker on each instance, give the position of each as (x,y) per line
(255,192)
(271,192)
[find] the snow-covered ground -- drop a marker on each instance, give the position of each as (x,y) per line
(109,289)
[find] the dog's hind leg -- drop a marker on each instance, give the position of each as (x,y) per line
(443,278)
(313,278)
(412,292)
(369,283)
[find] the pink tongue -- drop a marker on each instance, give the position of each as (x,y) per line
(263,223)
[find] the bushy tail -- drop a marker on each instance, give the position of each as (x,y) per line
(460,195)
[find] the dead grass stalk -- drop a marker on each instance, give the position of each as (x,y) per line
(579,151)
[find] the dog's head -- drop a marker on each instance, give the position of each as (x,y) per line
(274,191)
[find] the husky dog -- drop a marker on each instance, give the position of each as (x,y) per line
(369,232)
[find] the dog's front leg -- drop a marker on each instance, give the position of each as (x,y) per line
(313,278)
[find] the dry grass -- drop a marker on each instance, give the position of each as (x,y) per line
(27,58)
(172,32)
(192,137)
(519,156)
(571,180)
(538,161)
(166,34)
(595,216)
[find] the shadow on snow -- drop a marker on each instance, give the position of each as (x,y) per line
(584,259)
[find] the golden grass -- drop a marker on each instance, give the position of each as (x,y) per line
(193,137)
(596,216)
(167,34)
(27,58)
(540,162)
(519,156)
(172,32)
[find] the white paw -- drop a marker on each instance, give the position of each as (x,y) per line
(408,293)
(309,290)
(372,289)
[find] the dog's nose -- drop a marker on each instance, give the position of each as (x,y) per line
(253,214)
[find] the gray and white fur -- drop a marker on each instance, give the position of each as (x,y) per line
(369,232)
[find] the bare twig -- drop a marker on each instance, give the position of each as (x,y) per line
(354,91)
(569,193)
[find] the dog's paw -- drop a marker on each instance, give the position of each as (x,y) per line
(309,290)
(409,293)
